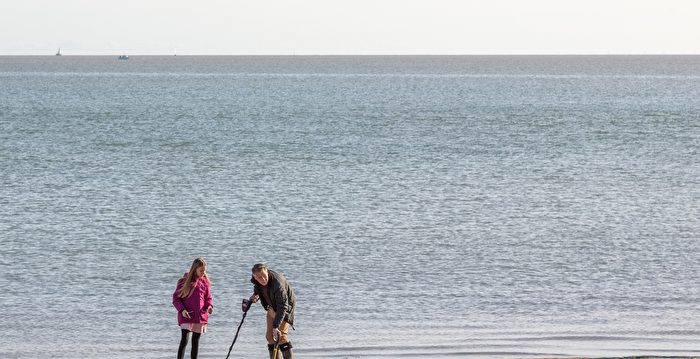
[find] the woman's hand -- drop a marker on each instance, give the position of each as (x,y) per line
(186,314)
(210,309)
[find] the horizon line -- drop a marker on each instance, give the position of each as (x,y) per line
(379,54)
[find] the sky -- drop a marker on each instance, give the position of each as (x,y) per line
(346,27)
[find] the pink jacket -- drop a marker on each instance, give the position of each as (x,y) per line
(197,302)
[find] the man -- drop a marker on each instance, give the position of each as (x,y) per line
(277,297)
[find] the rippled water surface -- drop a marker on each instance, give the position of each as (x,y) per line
(420,206)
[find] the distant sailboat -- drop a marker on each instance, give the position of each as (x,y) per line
(58,53)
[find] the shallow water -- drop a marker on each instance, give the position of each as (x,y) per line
(420,206)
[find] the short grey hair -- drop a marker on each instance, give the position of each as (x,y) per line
(259,267)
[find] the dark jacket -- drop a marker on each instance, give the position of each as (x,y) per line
(282,297)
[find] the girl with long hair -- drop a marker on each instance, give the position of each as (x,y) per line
(192,299)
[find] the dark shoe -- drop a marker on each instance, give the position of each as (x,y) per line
(286,350)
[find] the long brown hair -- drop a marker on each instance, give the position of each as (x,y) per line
(186,289)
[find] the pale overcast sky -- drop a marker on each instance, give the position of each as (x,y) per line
(37,27)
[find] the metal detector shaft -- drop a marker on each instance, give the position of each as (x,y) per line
(276,348)
(239,329)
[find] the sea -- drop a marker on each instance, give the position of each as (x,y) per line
(420,206)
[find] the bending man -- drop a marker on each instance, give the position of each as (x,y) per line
(277,297)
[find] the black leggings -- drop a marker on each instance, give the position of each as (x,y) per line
(183,343)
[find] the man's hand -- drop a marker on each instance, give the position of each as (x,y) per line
(246,303)
(276,334)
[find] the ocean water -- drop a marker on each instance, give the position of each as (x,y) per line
(441,207)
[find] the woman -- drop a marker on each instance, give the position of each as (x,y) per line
(192,299)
